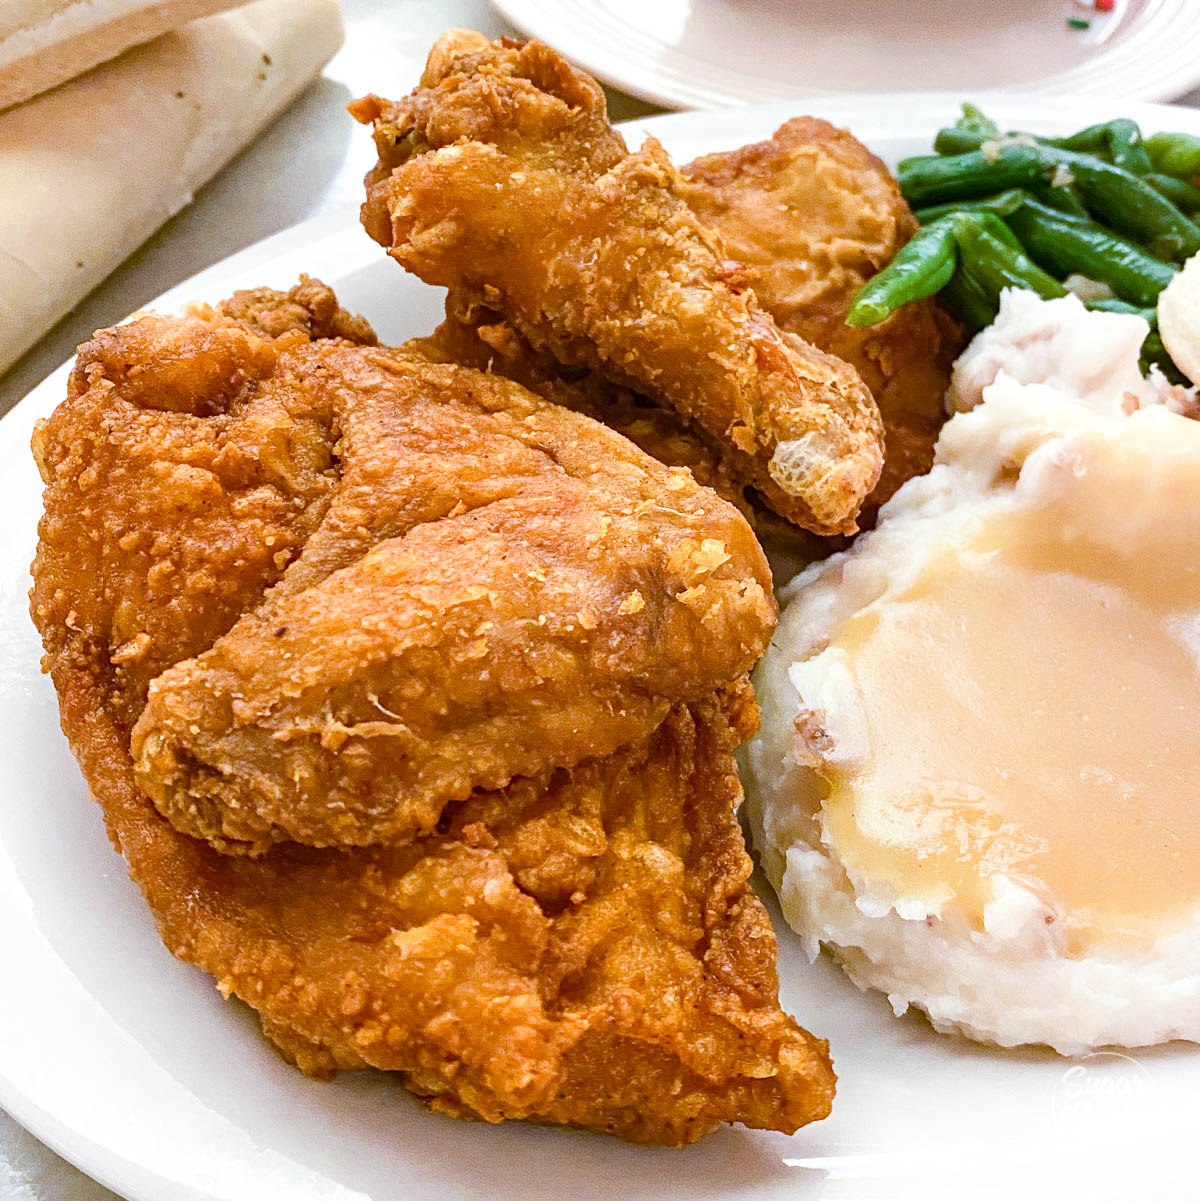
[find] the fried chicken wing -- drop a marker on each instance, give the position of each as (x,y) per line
(575,945)
(815,214)
(499,177)
(495,586)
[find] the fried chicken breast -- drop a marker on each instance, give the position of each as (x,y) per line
(567,936)
(500,178)
(815,215)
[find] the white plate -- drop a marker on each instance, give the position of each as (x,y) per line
(708,53)
(130,1065)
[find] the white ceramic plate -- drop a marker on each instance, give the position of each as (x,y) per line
(130,1065)
(709,53)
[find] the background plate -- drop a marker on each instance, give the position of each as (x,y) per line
(708,53)
(130,1065)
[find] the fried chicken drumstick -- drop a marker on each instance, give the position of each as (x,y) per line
(813,215)
(243,534)
(501,178)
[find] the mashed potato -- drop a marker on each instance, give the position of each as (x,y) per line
(1091,356)
(978,775)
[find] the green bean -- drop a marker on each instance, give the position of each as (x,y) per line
(1065,245)
(993,260)
(973,117)
(1014,210)
(1001,204)
(994,226)
(1175,154)
(1154,354)
(923,266)
(969,301)
(1131,206)
(1150,316)
(977,239)
(1061,196)
(932,179)
(956,140)
(927,264)
(1116,191)
(1120,141)
(1183,195)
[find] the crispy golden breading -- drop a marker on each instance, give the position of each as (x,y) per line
(494,586)
(480,338)
(581,948)
(816,215)
(166,519)
(578,946)
(500,178)
(309,307)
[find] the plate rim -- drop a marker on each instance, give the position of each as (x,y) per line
(900,111)
(551,22)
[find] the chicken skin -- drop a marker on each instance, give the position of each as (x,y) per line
(556,927)
(496,586)
(481,338)
(815,215)
(500,178)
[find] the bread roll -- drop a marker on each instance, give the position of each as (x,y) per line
(46,42)
(91,169)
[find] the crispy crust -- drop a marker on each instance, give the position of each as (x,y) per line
(499,177)
(815,215)
(578,946)
(552,589)
(582,948)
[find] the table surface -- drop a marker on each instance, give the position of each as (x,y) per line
(310,161)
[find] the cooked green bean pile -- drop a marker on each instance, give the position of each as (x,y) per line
(1011,209)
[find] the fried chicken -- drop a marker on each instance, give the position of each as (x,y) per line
(572,940)
(500,178)
(815,214)
(495,587)
(490,586)
(481,338)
